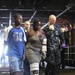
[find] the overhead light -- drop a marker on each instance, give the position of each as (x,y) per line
(44,7)
(3,6)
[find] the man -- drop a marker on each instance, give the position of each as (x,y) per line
(26,26)
(16,51)
(55,40)
(26,63)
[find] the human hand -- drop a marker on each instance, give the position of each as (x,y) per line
(51,27)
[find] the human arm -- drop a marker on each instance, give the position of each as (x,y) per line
(62,39)
(23,57)
(24,45)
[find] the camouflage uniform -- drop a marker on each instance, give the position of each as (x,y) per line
(53,57)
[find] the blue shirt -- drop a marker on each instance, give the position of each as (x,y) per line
(16,40)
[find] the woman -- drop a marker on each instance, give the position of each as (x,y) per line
(34,45)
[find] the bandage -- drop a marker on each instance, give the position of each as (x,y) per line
(34,66)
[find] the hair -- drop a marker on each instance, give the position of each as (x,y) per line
(52,16)
(35,22)
(26,22)
(16,15)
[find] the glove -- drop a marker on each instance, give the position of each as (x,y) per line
(63,45)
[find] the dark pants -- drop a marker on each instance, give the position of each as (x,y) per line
(51,69)
(26,67)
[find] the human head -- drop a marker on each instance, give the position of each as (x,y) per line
(18,19)
(27,25)
(37,24)
(52,19)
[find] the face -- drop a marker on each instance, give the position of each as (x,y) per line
(52,20)
(38,26)
(27,25)
(18,20)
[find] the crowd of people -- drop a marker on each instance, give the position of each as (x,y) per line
(25,46)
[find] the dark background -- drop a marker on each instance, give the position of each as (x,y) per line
(43,7)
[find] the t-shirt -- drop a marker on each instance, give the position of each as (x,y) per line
(16,40)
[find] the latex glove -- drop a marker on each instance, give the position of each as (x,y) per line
(63,45)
